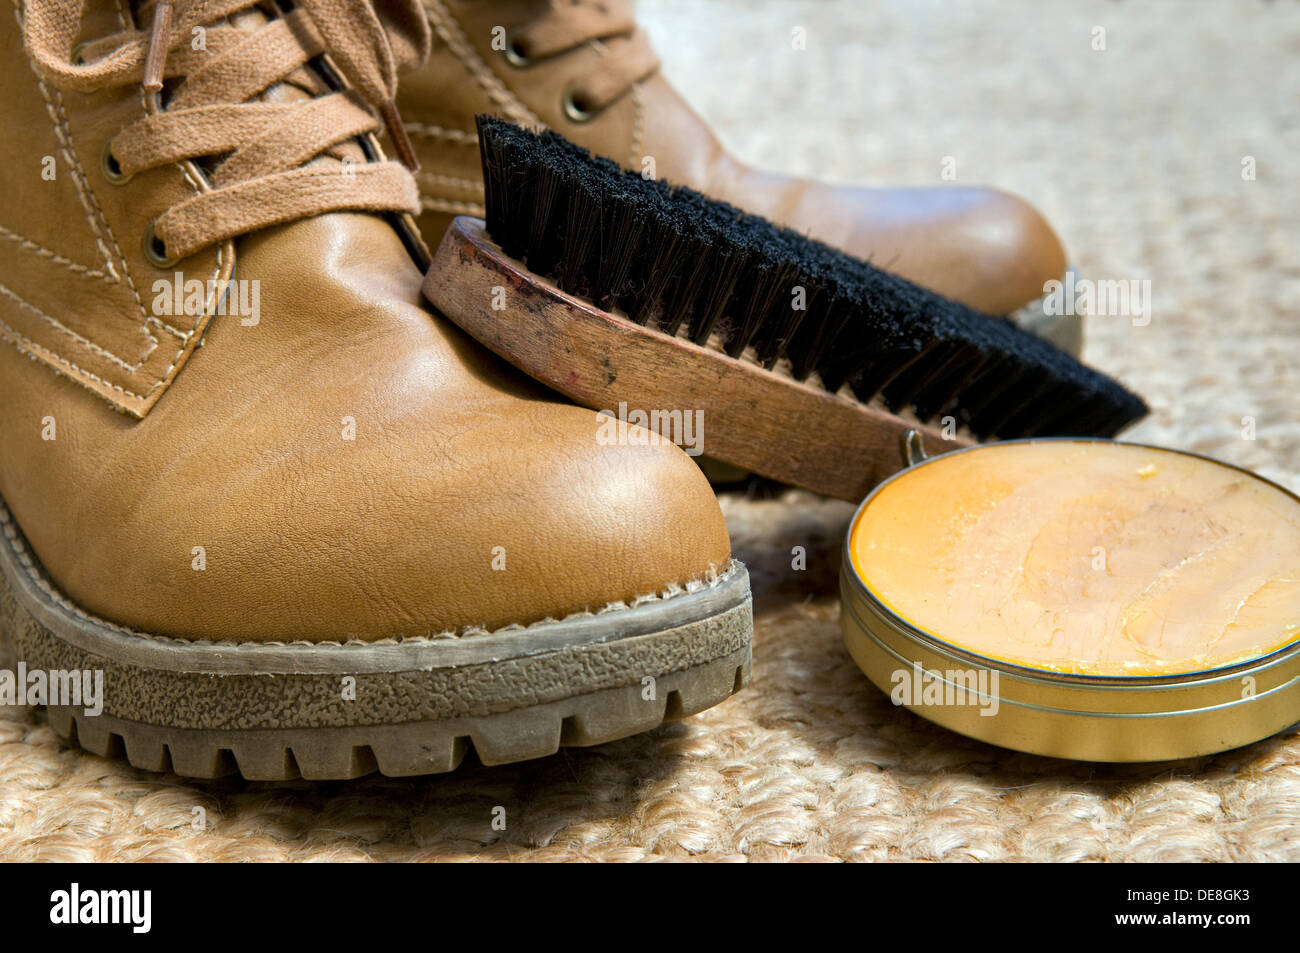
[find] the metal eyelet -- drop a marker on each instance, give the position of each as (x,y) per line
(108,163)
(514,55)
(575,112)
(155,250)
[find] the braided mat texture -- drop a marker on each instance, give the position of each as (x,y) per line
(1135,152)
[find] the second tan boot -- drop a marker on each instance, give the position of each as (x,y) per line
(585,69)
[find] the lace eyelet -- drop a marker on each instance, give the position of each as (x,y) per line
(575,112)
(78,55)
(108,163)
(155,250)
(514,55)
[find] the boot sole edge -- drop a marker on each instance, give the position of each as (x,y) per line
(280,712)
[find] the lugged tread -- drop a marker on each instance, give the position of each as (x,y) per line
(416,748)
(568,683)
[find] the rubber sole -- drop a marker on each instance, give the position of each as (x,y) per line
(1063,330)
(330,710)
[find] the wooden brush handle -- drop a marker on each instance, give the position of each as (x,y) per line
(761,420)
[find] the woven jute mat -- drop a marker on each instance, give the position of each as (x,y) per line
(1136,153)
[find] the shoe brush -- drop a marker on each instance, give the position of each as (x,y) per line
(811,367)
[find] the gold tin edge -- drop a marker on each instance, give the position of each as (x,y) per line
(1068,715)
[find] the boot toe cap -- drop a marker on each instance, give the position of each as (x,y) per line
(594,525)
(1010,252)
(986,248)
(425,532)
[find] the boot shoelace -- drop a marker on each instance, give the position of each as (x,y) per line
(569,24)
(285,156)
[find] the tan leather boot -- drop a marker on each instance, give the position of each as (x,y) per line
(587,71)
(293,521)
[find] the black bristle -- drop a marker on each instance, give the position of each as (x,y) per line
(680,262)
(764,316)
(999,372)
(824,314)
(619,240)
(714,291)
(654,268)
(1008,402)
(574,272)
(942,388)
(546,234)
(510,167)
(907,389)
(491,149)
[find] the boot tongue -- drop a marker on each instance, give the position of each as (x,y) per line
(301,86)
(292,89)
(296,88)
(304,84)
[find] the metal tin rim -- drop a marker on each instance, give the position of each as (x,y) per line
(1076,695)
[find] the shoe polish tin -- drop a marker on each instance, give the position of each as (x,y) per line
(1107,711)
